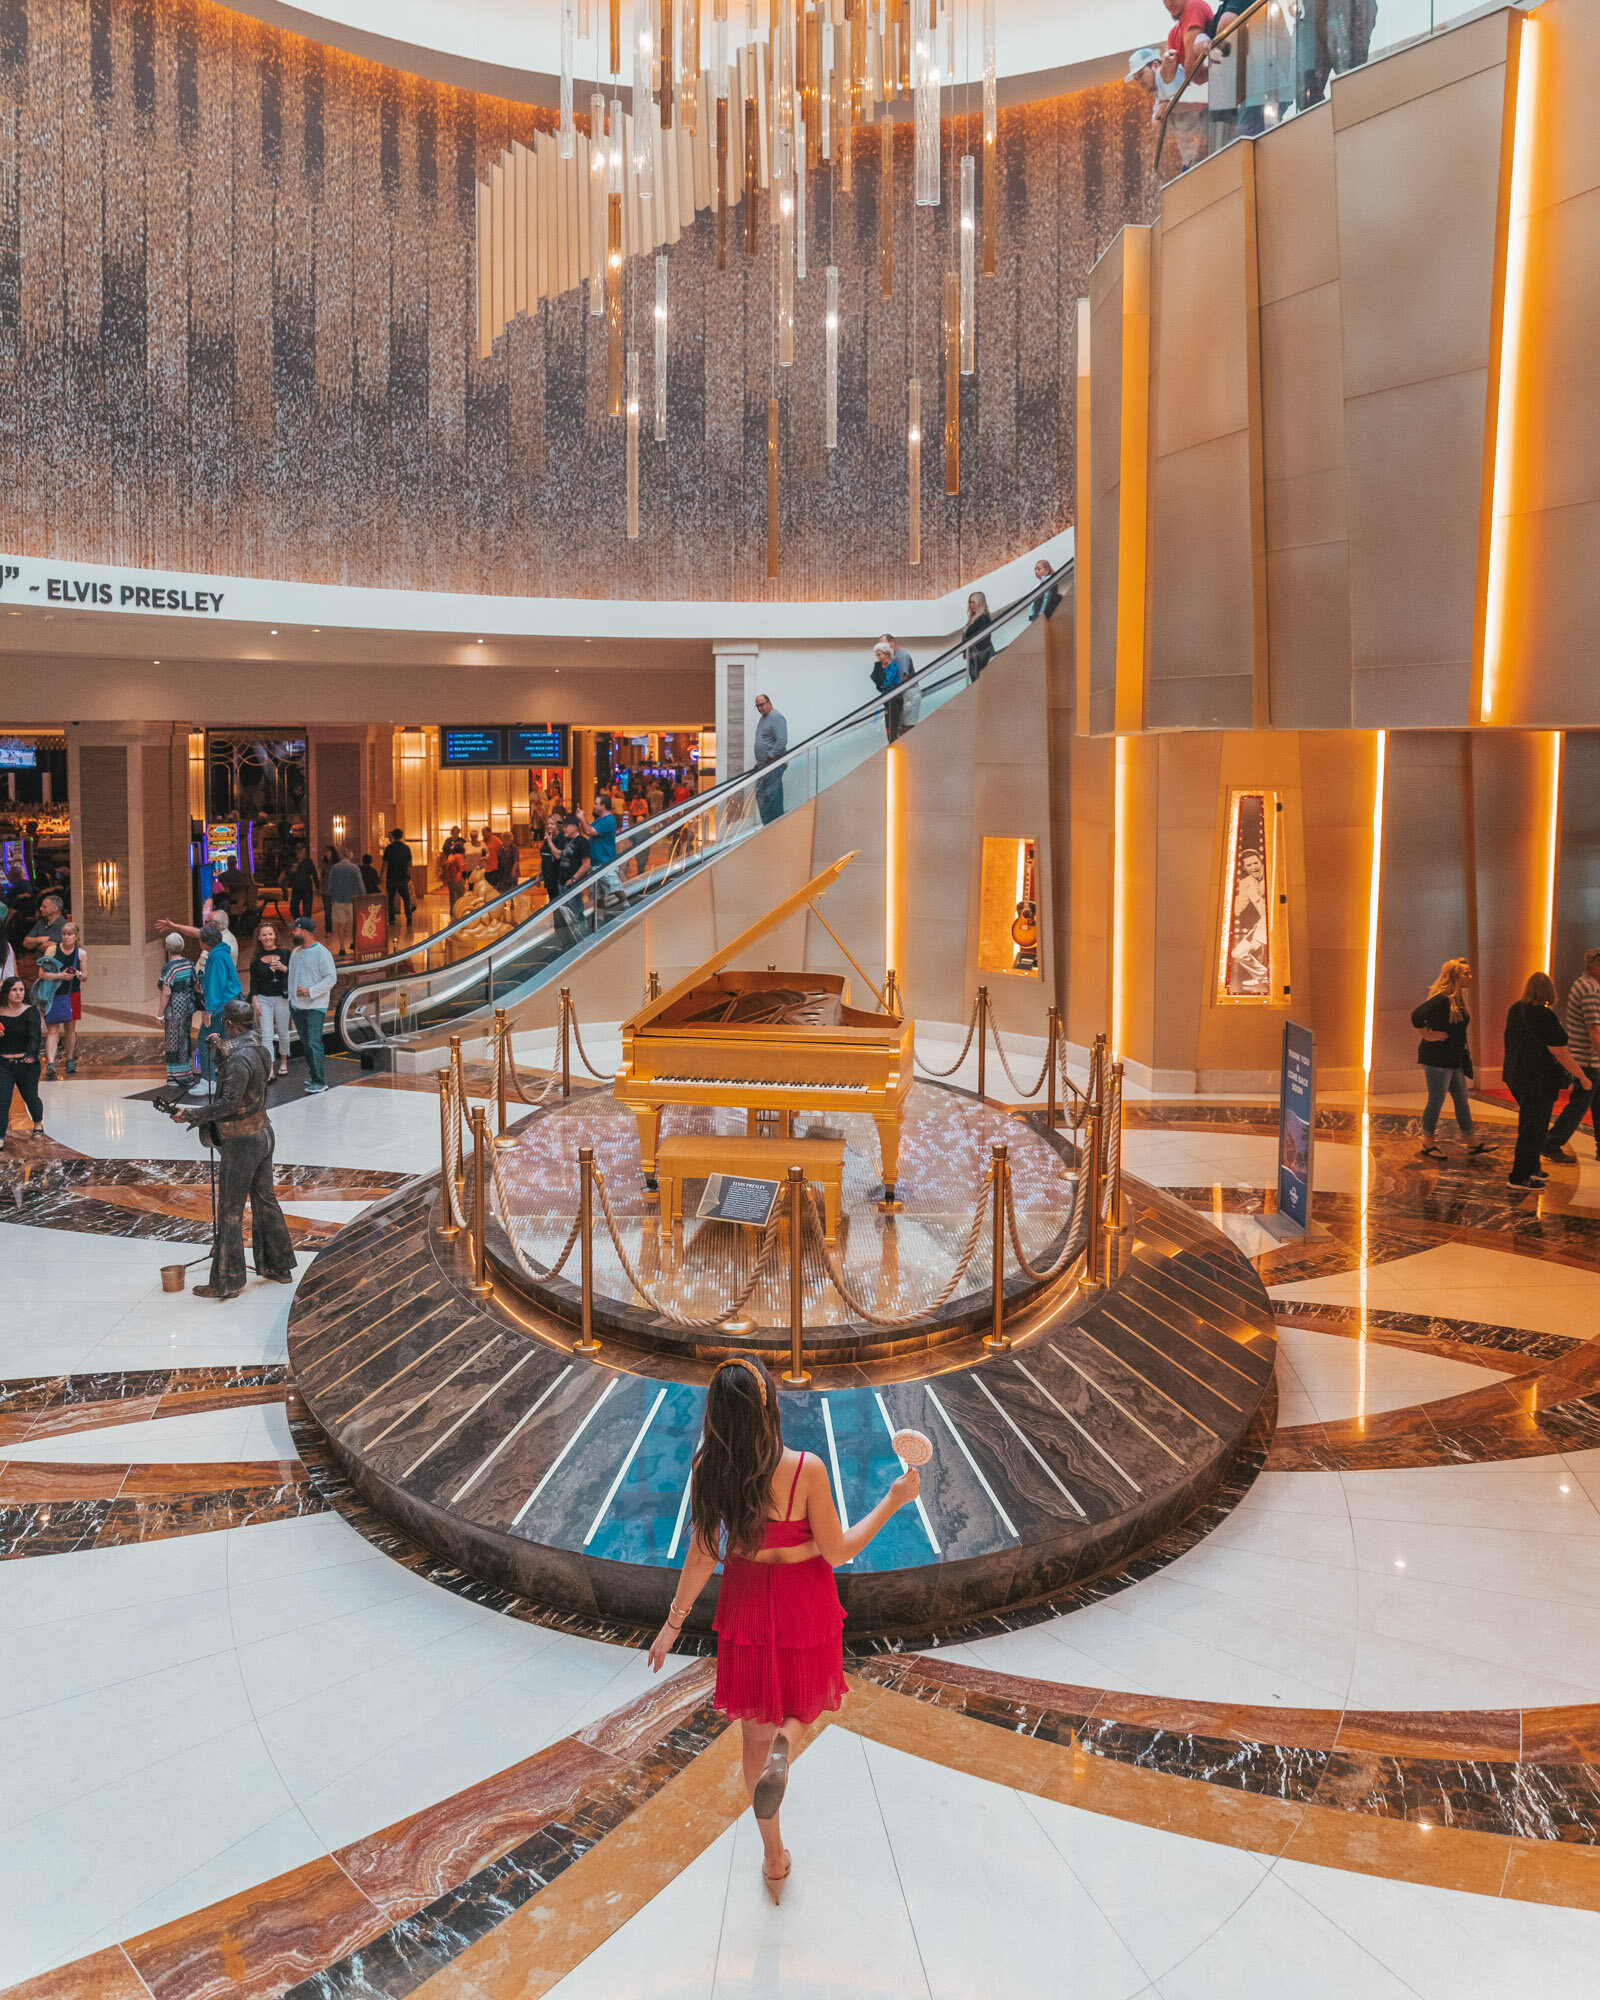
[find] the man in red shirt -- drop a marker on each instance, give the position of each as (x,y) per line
(1189,38)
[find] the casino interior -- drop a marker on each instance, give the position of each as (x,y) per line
(1054,919)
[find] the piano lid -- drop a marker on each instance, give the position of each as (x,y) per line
(653,1009)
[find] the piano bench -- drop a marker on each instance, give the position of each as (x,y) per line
(693,1155)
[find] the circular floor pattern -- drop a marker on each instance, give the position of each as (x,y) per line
(471,1426)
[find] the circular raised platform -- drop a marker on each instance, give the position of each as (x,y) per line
(895,1265)
(471,1425)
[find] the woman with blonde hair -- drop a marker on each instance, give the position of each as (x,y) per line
(1536,1065)
(767,1514)
(1443,1053)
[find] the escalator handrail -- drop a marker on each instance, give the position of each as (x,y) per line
(1226,33)
(667,825)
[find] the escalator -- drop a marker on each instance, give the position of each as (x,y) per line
(503,952)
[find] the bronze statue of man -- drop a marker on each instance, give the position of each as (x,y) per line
(235,1121)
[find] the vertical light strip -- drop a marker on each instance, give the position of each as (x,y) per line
(1497,635)
(660,383)
(914,470)
(1374,897)
(1119,897)
(830,362)
(633,444)
(568,144)
(891,861)
(644,152)
(598,159)
(1552,864)
(969,263)
(991,133)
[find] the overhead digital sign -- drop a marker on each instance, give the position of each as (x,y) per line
(16,755)
(536,743)
(467,747)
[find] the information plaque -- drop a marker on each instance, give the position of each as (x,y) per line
(737,1198)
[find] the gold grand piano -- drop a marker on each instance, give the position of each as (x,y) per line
(783,1041)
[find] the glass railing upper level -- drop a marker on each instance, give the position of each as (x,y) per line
(1267,60)
(494,951)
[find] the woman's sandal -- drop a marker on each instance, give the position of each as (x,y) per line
(770,1786)
(775,1882)
(1481,1146)
(1431,1152)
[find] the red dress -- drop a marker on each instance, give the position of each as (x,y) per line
(780,1630)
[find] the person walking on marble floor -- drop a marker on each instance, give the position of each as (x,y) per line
(20,1036)
(1582,1023)
(767,1514)
(1443,1053)
(1536,1067)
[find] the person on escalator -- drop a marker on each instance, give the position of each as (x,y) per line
(980,648)
(576,866)
(891,666)
(1048,602)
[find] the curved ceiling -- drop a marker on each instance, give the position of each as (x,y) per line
(482,43)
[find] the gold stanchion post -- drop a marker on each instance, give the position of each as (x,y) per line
(480,1287)
(983,1037)
(797,1378)
(655,986)
(447,1227)
(502,1058)
(586,1342)
(997,1340)
(566,1049)
(1052,1071)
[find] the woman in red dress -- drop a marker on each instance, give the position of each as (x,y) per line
(767,1513)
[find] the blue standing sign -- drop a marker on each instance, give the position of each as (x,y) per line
(1297,1124)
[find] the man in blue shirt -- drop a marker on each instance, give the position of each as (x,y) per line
(312,975)
(602,832)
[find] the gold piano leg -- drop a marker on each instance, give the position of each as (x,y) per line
(649,1135)
(889,1146)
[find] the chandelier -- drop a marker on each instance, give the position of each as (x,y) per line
(713,126)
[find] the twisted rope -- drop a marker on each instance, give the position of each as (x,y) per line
(861,1310)
(1072,1098)
(530,1265)
(1000,1051)
(1070,1248)
(514,1077)
(1111,1148)
(452,1165)
(972,1029)
(769,1237)
(604,1075)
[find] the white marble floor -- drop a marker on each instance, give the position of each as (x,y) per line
(205,1712)
(915,1882)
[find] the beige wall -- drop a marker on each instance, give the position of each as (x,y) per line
(1333,306)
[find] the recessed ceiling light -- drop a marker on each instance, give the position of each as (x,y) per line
(274,631)
(155,663)
(1399,1562)
(480,642)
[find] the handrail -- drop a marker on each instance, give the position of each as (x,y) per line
(1233,24)
(671,826)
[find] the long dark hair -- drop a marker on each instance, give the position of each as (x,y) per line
(740,1446)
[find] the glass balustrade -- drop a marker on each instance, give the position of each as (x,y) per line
(1275,58)
(499,952)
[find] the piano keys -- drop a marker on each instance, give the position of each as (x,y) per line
(767,1040)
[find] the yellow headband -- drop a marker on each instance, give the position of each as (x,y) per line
(750,1368)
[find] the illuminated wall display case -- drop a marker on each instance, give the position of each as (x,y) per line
(1008,914)
(1253,933)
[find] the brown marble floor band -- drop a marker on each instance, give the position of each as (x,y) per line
(1553,1410)
(379,1915)
(1514,1350)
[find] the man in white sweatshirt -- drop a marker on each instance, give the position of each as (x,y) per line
(311,978)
